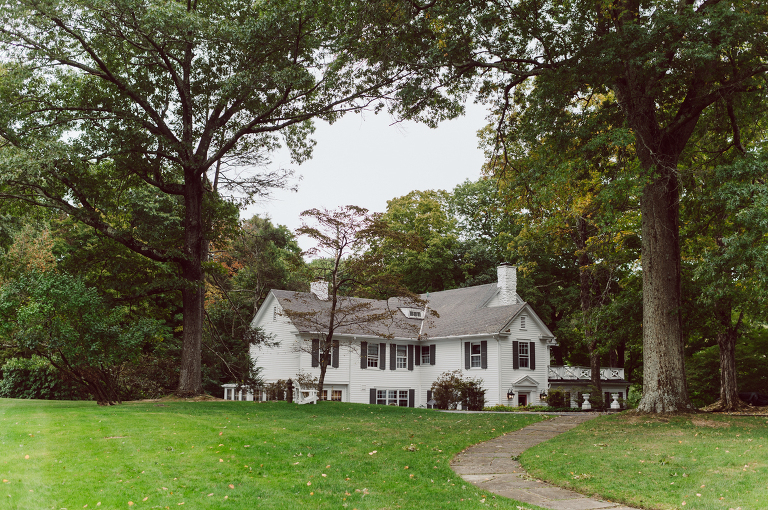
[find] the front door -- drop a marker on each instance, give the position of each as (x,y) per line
(522,399)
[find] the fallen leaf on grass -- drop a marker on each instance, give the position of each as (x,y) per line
(145,498)
(211,494)
(231,486)
(26,456)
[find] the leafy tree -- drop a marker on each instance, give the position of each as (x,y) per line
(260,257)
(60,319)
(727,229)
(483,228)
(666,63)
(145,108)
(338,234)
(574,192)
(430,262)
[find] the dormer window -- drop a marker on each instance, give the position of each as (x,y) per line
(413,313)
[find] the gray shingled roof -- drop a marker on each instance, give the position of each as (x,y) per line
(457,312)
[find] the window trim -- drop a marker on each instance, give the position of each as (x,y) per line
(372,361)
(389,397)
(425,351)
(468,355)
(475,358)
(401,361)
(399,393)
(524,358)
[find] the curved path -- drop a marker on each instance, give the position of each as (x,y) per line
(491,466)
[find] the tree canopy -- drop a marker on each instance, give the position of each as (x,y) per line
(140,117)
(666,63)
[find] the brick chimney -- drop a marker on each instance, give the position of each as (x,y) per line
(507,283)
(319,288)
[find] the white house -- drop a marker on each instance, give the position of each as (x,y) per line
(487,331)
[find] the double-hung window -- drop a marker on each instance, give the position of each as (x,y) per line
(475,355)
(373,355)
(402,357)
(392,397)
(425,355)
(523,354)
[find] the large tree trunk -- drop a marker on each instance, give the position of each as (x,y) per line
(664,384)
(193,295)
(726,341)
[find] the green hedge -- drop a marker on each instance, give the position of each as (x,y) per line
(35,378)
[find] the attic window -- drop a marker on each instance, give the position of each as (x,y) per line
(522,322)
(413,313)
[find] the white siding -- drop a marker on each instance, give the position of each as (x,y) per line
(285,361)
(509,375)
(280,362)
(362,380)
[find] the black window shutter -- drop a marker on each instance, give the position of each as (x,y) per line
(410,357)
(335,358)
(411,398)
(315,352)
(383,356)
(393,356)
(533,355)
(417,358)
(363,355)
(484,354)
(429,397)
(467,347)
(373,396)
(432,354)
(515,359)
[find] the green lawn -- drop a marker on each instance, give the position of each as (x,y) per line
(238,455)
(697,462)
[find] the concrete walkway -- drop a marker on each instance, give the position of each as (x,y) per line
(491,466)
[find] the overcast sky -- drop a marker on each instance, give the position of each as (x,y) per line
(365,160)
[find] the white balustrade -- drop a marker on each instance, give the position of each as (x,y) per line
(565,372)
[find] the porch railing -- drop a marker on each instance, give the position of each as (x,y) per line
(583,373)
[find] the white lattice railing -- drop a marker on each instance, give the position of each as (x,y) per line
(583,373)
